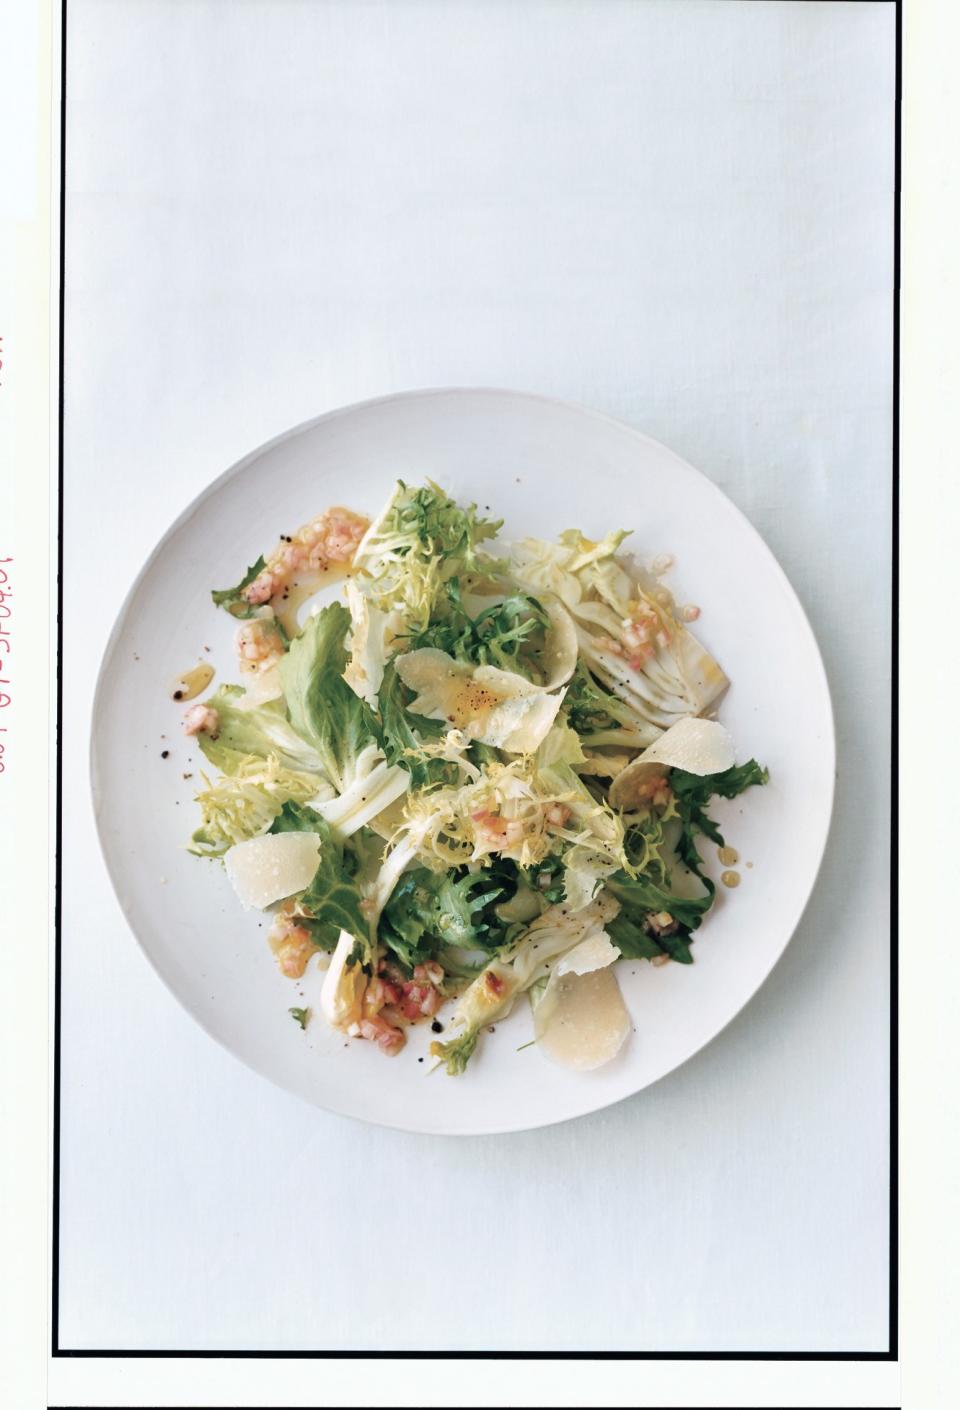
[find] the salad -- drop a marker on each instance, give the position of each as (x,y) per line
(486,772)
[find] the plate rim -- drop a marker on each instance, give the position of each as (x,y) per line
(424,393)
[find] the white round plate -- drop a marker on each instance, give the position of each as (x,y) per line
(542,466)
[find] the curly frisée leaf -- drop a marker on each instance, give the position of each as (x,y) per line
(431,914)
(421,539)
(692,794)
(640,933)
(514,632)
(501,813)
(244,802)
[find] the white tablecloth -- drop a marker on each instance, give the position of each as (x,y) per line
(677,213)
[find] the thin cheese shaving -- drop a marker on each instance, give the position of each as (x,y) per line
(270,868)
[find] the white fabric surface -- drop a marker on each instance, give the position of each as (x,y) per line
(677,213)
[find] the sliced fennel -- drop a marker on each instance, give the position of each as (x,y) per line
(492,994)
(630,641)
(244,802)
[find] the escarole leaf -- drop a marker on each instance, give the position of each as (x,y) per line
(322,706)
(233,599)
(263,730)
(339,724)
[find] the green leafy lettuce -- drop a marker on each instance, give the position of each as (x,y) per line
(264,731)
(598,716)
(640,899)
(244,801)
(339,725)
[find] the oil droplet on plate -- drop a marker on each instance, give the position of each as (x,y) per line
(191,683)
(730,878)
(728,855)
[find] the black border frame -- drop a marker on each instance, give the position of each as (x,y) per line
(891,1354)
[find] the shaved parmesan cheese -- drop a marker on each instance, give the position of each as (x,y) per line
(493,706)
(697,746)
(269,868)
(596,952)
(523,723)
(582,1022)
(694,745)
